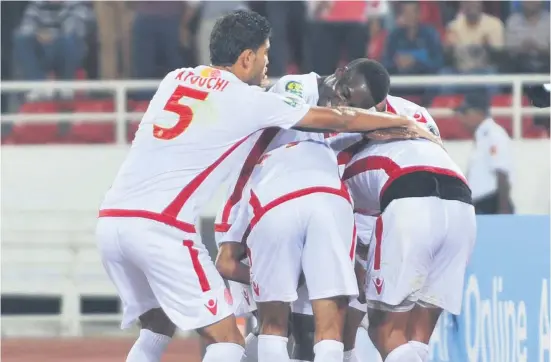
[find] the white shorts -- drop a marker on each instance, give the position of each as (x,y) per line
(243,300)
(311,234)
(419,253)
(154,265)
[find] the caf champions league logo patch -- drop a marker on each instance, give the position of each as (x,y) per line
(291,101)
(294,87)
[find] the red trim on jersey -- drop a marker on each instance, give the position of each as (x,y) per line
(259,211)
(165,219)
(346,155)
(353,246)
(248,166)
(389,108)
(392,169)
(170,214)
(378,241)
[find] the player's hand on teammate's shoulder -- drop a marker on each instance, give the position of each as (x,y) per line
(418,130)
(413,130)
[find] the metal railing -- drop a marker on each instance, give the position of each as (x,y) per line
(122,87)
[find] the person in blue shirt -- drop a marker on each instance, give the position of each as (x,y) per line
(413,47)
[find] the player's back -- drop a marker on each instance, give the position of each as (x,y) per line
(293,167)
(377,165)
(188,140)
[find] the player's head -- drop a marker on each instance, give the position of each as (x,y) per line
(474,109)
(240,42)
(362,83)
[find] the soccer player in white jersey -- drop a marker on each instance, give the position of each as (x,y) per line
(188,141)
(419,222)
(315,90)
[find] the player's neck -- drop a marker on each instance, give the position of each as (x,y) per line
(325,92)
(239,73)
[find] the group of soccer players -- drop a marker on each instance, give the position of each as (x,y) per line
(341,201)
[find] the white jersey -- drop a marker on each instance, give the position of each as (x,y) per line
(188,143)
(371,170)
(304,87)
(395,105)
(283,174)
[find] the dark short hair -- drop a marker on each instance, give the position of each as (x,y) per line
(375,75)
(236,32)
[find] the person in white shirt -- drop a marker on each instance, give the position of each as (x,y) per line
(490,168)
(192,136)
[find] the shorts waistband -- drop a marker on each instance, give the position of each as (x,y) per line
(150,215)
(426,184)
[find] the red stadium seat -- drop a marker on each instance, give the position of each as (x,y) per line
(90,106)
(92,132)
(452,129)
(131,128)
(139,106)
(35,133)
(506,100)
(447,101)
(39,107)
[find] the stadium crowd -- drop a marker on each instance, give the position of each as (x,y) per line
(145,39)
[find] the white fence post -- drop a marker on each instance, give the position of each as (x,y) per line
(517,108)
(120,108)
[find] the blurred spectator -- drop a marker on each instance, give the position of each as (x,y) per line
(473,38)
(490,168)
(210,12)
(412,48)
(527,39)
(51,38)
(334,24)
(281,15)
(156,34)
(380,13)
(114,19)
(377,39)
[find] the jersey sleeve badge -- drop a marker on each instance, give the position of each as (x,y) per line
(294,88)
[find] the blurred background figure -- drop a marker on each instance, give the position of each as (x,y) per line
(114,22)
(474,39)
(51,39)
(156,37)
(412,48)
(527,39)
(335,28)
(209,11)
(490,168)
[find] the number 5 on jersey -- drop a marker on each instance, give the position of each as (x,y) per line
(185,113)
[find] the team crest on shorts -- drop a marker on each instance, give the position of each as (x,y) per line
(294,87)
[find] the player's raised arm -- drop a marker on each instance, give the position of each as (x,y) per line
(349,119)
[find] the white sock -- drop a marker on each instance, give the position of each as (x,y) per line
(328,350)
(149,347)
(404,353)
(224,352)
(421,348)
(272,348)
(251,349)
(350,356)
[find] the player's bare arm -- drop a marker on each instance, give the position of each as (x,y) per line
(229,265)
(349,119)
(401,133)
